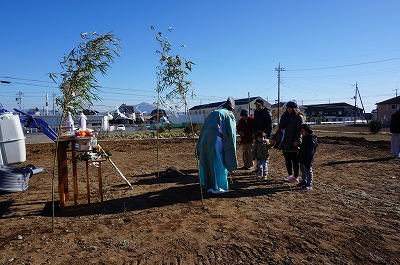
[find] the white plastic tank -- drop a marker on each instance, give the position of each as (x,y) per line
(12,139)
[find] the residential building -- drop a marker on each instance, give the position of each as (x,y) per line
(332,112)
(125,114)
(244,103)
(386,108)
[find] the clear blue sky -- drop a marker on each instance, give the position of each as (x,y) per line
(325,47)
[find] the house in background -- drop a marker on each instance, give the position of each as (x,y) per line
(137,113)
(333,112)
(277,112)
(244,103)
(385,109)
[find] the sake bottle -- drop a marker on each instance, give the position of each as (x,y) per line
(69,122)
(82,122)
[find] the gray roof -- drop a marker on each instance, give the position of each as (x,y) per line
(281,104)
(395,100)
(242,101)
(329,105)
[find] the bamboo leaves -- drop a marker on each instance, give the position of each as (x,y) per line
(78,84)
(172,72)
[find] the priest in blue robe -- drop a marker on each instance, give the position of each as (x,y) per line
(216,148)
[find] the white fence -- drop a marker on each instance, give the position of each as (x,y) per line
(342,122)
(198,118)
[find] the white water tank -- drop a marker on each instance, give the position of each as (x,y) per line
(12,139)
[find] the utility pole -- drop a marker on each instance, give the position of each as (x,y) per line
(356,110)
(279,69)
(363,115)
(355,103)
(19,99)
(47,105)
(396,91)
(54,103)
(248,96)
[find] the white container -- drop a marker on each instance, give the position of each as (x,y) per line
(12,140)
(69,123)
(83,144)
(82,122)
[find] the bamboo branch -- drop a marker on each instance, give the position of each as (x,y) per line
(119,171)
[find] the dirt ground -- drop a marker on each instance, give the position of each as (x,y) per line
(352,216)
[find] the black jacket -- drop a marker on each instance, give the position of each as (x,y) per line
(395,122)
(263,121)
(307,150)
(290,122)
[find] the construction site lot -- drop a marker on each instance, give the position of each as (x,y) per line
(352,216)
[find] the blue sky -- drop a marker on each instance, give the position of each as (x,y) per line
(325,47)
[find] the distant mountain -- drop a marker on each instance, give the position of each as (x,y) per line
(145,107)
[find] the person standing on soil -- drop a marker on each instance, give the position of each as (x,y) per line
(216,148)
(262,119)
(245,130)
(395,131)
(308,146)
(289,128)
(261,152)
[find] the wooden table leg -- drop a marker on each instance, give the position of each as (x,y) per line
(62,196)
(75,177)
(87,182)
(62,173)
(100,176)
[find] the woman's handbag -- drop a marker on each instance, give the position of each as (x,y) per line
(278,139)
(279,136)
(280,146)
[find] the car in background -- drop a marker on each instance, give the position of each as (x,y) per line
(121,127)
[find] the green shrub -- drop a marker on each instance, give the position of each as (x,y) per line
(161,129)
(320,119)
(169,127)
(196,128)
(374,126)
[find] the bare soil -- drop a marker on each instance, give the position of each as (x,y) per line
(352,216)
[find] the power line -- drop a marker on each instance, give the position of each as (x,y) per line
(347,74)
(30,84)
(345,65)
(126,89)
(299,90)
(25,79)
(27,84)
(261,91)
